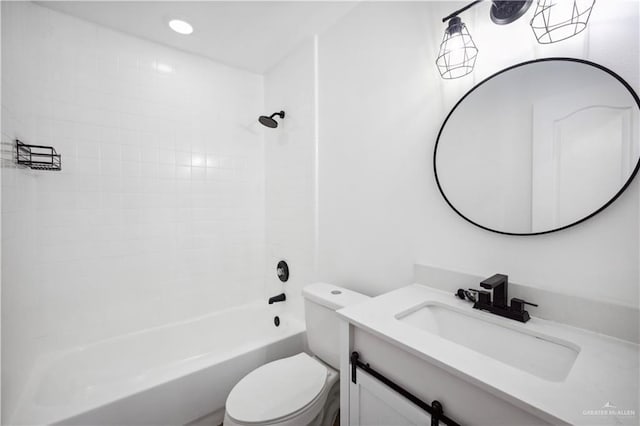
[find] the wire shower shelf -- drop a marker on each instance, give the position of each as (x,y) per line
(37,157)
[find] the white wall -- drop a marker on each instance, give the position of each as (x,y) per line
(158,212)
(290,170)
(382,102)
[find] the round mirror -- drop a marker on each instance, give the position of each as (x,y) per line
(539,146)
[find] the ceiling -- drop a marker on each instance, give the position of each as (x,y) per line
(251,35)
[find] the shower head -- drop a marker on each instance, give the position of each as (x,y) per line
(269,121)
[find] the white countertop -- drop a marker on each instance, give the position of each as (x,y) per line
(605,370)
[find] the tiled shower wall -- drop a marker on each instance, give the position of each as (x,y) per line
(158,213)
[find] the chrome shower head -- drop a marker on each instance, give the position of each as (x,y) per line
(269,121)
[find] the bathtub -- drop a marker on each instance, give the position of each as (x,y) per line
(169,375)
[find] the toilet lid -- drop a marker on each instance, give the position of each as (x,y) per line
(276,389)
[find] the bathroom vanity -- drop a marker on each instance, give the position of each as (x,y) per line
(479,368)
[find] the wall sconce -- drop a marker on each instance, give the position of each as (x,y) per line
(568,19)
(458,52)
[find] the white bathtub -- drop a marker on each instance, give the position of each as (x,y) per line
(170,375)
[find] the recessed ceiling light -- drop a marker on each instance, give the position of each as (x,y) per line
(181,27)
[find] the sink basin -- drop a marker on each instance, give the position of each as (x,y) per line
(546,357)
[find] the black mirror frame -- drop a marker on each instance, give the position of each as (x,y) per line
(607,204)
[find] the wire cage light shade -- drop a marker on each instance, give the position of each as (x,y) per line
(458,53)
(557,20)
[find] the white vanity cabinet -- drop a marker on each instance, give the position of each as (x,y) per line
(369,401)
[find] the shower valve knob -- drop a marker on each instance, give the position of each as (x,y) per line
(282,270)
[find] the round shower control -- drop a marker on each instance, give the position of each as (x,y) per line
(283,271)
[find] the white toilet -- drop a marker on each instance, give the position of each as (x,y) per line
(302,389)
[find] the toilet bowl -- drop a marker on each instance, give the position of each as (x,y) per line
(301,389)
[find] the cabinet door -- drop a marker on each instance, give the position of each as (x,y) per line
(372,403)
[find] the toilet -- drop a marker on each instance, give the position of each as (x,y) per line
(302,389)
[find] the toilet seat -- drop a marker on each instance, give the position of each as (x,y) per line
(279,391)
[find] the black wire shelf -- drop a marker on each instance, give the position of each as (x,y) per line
(38,157)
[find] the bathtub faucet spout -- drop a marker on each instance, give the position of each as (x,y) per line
(279,298)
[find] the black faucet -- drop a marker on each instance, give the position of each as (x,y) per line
(499,283)
(279,298)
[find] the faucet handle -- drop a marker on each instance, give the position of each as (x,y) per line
(484,298)
(517,305)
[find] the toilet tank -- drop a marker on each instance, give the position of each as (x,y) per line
(321,301)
